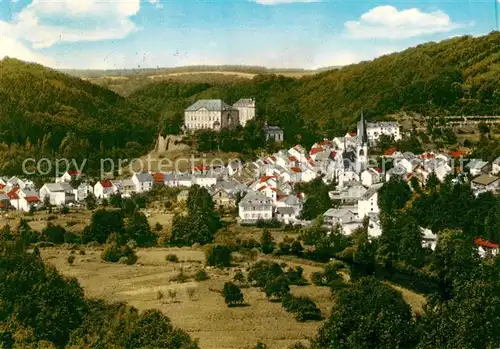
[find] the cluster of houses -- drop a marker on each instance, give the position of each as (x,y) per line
(265,189)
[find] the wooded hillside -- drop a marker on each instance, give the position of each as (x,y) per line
(456,76)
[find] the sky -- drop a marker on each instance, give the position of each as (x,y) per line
(309,34)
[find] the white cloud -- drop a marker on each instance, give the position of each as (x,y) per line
(15,49)
(389,23)
(279,2)
(156,3)
(44,23)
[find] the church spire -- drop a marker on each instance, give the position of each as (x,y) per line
(362,134)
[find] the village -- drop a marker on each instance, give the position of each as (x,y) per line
(266,189)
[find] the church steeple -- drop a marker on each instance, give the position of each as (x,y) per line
(362,144)
(362,134)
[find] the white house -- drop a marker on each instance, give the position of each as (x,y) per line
(341,216)
(369,202)
(143,181)
(371,176)
(477,166)
(68,176)
(58,193)
(376,129)
(255,206)
(486,248)
(287,215)
(495,168)
(485,183)
(204,180)
(104,189)
(429,239)
(83,190)
(374,226)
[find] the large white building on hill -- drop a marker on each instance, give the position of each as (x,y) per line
(246,110)
(376,129)
(215,114)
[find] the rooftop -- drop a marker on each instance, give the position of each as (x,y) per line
(210,105)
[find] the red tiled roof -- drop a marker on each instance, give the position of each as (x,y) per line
(200,167)
(333,154)
(274,189)
(300,195)
(316,150)
(12,194)
(266,178)
(281,196)
(106,184)
(262,188)
(390,151)
(352,134)
(485,243)
(2,186)
(158,177)
(296,169)
(427,156)
(457,154)
(292,158)
(325,142)
(273,158)
(378,169)
(74,173)
(31,199)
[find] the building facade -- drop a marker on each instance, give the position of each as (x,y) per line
(376,129)
(246,110)
(210,114)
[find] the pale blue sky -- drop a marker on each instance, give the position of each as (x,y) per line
(274,33)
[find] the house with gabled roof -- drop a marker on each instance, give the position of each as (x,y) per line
(486,248)
(58,194)
(371,176)
(477,166)
(143,181)
(68,176)
(485,183)
(255,206)
(103,189)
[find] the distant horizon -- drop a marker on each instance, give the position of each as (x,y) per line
(287,34)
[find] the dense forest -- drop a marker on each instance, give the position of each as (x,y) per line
(44,112)
(459,76)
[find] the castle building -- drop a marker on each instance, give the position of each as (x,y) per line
(376,129)
(214,114)
(246,110)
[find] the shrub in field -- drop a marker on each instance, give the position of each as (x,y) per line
(219,256)
(232,294)
(71,259)
(304,308)
(277,288)
(201,276)
(113,253)
(263,271)
(172,258)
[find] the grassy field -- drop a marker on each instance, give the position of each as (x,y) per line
(198,307)
(204,316)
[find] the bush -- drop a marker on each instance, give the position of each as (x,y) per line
(263,271)
(277,288)
(201,276)
(297,248)
(304,308)
(232,294)
(284,248)
(239,277)
(65,210)
(219,256)
(71,259)
(295,276)
(267,242)
(172,258)
(113,253)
